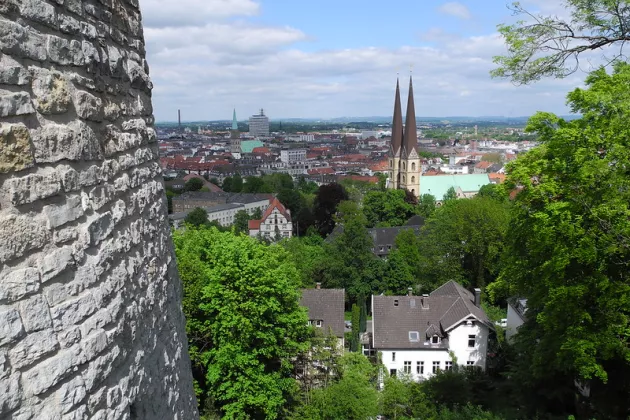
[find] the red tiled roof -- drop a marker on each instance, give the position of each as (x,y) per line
(379,166)
(254,224)
(483,165)
(370,179)
(500,178)
(321,171)
(261,150)
(276,204)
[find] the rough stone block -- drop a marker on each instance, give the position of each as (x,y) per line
(17,103)
(69,25)
(88,30)
(100,228)
(15,149)
(17,41)
(20,233)
(31,188)
(39,11)
(12,72)
(52,92)
(73,312)
(33,347)
(69,179)
(101,195)
(50,372)
(35,314)
(10,326)
(94,344)
(71,393)
(55,262)
(64,52)
(60,214)
(10,393)
(18,283)
(88,106)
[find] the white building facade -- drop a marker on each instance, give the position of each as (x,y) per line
(275,223)
(292,155)
(418,336)
(259,125)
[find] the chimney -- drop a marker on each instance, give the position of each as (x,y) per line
(410,292)
(477,297)
(318,286)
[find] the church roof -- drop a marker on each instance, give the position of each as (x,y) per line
(410,139)
(234,122)
(437,186)
(397,125)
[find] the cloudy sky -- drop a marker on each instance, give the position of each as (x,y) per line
(334,58)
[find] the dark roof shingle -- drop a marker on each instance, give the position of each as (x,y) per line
(326,305)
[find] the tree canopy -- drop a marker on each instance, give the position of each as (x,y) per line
(248,326)
(541,45)
(569,243)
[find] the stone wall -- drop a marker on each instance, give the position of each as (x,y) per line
(90,318)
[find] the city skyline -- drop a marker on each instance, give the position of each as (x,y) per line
(335,59)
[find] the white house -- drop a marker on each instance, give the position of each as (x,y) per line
(515,316)
(276,221)
(419,335)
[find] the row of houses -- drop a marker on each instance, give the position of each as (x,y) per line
(415,335)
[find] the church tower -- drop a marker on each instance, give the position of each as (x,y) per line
(235,135)
(405,167)
(396,142)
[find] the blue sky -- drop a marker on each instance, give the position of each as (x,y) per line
(325,58)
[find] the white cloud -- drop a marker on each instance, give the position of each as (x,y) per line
(455,9)
(161,13)
(207,68)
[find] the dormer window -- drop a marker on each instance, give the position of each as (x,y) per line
(435,339)
(395,302)
(319,323)
(414,336)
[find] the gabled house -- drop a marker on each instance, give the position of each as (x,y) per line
(275,222)
(326,310)
(420,335)
(515,316)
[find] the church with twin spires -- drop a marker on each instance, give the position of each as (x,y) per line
(404,161)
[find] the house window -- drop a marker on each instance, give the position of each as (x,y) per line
(392,373)
(470,363)
(407,367)
(435,340)
(413,166)
(420,368)
(436,367)
(413,179)
(393,356)
(414,336)
(471,341)
(319,323)
(448,365)
(310,322)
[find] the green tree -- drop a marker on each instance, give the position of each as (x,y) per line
(254,184)
(278,182)
(169,200)
(193,184)
(309,257)
(494,191)
(387,208)
(257,214)
(352,397)
(227,184)
(237,184)
(197,217)
(404,263)
(426,205)
(451,194)
(214,181)
(245,324)
(326,201)
(569,247)
(463,241)
(356,319)
(540,46)
(241,221)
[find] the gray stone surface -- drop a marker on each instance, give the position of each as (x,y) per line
(91,325)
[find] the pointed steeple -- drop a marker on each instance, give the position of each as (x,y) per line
(397,126)
(410,140)
(234,122)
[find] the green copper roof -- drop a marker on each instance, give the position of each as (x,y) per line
(234,122)
(438,185)
(247,146)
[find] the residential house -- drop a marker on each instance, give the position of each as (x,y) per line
(420,335)
(515,316)
(326,310)
(276,222)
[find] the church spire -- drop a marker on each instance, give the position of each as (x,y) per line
(397,126)
(234,122)
(410,140)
